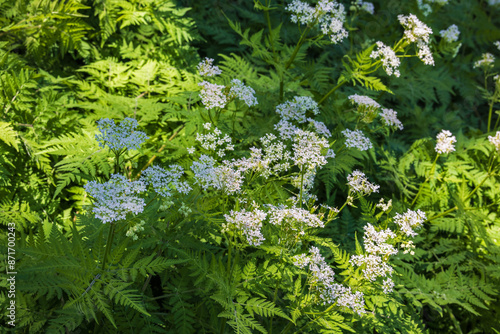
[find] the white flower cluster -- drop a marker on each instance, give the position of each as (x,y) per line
(408,247)
(383,206)
(390,118)
(388,285)
(248,222)
(320,128)
(114,199)
(357,139)
(374,266)
(497,44)
(165,182)
(417,32)
(322,282)
(119,137)
(294,220)
(224,177)
(244,93)
(215,141)
(366,6)
(307,147)
(445,142)
(276,153)
(486,62)
(495,140)
(375,241)
(451,34)
(388,57)
(212,95)
(364,102)
(296,109)
(358,183)
(410,220)
(206,69)
(328,13)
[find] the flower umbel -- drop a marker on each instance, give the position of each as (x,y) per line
(116,198)
(118,137)
(445,142)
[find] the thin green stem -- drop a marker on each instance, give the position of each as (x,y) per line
(340,84)
(109,244)
(301,187)
(454,320)
(268,20)
(490,114)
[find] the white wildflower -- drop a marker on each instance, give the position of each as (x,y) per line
(383,206)
(215,141)
(358,183)
(424,53)
(206,69)
(244,93)
(330,154)
(410,220)
(390,118)
(191,150)
(375,241)
(307,147)
(445,142)
(497,44)
(451,34)
(357,139)
(295,220)
(212,95)
(364,102)
(249,223)
(495,140)
(388,57)
(486,62)
(374,266)
(417,32)
(320,128)
(285,129)
(408,247)
(297,108)
(165,182)
(388,285)
(366,6)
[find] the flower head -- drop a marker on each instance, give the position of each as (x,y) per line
(358,183)
(244,93)
(118,137)
(451,34)
(410,220)
(388,57)
(212,95)
(390,118)
(445,142)
(114,199)
(486,62)
(357,139)
(206,69)
(165,182)
(495,140)
(249,223)
(296,109)
(417,32)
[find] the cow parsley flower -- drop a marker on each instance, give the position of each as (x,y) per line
(118,137)
(388,57)
(408,247)
(410,220)
(307,147)
(114,199)
(165,182)
(375,241)
(495,140)
(320,128)
(215,141)
(486,62)
(212,95)
(388,285)
(249,223)
(384,206)
(497,44)
(244,93)
(358,183)
(206,69)
(364,102)
(296,109)
(329,14)
(417,32)
(366,6)
(374,265)
(357,139)
(224,177)
(390,118)
(293,219)
(451,34)
(445,142)
(276,153)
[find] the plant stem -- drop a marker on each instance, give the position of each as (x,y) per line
(454,320)
(268,20)
(109,243)
(292,58)
(301,187)
(490,114)
(340,84)
(426,180)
